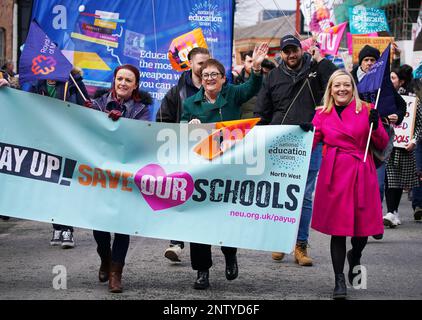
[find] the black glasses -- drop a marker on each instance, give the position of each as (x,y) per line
(212,75)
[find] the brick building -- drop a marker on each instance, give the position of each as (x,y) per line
(14,23)
(6,30)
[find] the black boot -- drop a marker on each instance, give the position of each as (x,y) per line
(105,266)
(232,270)
(340,289)
(353,262)
(202,280)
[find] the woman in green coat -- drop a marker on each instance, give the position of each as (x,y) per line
(216,102)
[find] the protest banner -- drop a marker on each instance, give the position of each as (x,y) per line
(98,36)
(363,20)
(71,165)
(349,39)
(318,15)
(329,40)
(377,42)
(404,131)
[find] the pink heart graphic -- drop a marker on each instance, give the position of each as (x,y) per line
(162,191)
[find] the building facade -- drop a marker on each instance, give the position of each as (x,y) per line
(15,16)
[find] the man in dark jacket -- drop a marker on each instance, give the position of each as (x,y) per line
(171,110)
(189,83)
(289,96)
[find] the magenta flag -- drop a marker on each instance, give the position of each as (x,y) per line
(329,40)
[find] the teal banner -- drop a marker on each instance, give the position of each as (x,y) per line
(363,20)
(231,184)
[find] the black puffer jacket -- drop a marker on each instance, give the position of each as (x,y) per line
(282,86)
(171,108)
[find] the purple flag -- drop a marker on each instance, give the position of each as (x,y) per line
(41,58)
(379,77)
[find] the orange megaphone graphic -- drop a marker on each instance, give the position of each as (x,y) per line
(226,135)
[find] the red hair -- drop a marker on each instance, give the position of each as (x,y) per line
(135,94)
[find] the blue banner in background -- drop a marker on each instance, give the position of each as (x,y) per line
(98,36)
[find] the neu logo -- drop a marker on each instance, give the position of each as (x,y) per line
(43,65)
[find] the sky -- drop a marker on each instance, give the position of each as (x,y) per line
(255,6)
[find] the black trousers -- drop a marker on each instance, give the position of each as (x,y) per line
(62,227)
(392,198)
(200,255)
(120,245)
(338,250)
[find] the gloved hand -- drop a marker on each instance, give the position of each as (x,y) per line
(88,103)
(373,118)
(114,115)
(306,126)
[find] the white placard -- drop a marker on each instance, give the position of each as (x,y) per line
(404,132)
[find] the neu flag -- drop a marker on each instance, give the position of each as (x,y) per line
(41,58)
(378,77)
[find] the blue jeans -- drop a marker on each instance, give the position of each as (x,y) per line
(417,191)
(306,214)
(381,180)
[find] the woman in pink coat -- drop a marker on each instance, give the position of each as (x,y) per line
(347,202)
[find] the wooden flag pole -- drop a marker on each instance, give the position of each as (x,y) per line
(66,85)
(370,129)
(77,87)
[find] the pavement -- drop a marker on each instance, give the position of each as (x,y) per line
(28,268)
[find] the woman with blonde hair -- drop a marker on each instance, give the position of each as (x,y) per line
(347,203)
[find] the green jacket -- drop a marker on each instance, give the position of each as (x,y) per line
(226,107)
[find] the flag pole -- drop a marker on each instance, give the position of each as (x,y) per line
(370,129)
(77,87)
(66,85)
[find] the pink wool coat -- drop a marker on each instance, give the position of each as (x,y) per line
(347,200)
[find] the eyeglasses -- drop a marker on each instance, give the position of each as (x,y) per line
(212,75)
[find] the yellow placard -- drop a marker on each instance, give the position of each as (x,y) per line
(377,42)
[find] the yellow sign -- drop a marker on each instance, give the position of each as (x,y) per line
(377,42)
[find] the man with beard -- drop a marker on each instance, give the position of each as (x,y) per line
(188,85)
(290,95)
(171,110)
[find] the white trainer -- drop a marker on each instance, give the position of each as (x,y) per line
(56,240)
(390,220)
(396,214)
(173,252)
(67,239)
